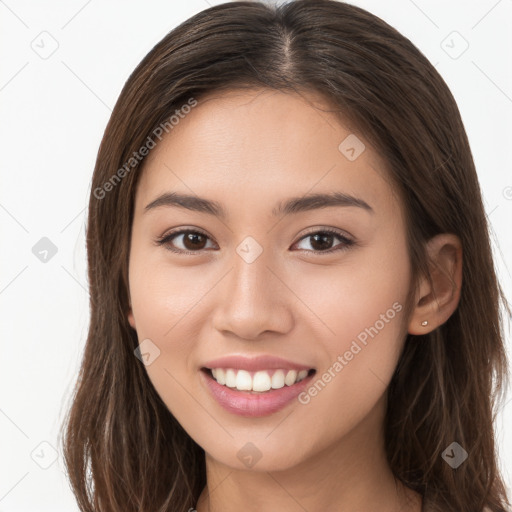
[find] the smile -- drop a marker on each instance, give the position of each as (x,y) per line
(260,381)
(253,391)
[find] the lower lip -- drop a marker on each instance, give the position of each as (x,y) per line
(246,403)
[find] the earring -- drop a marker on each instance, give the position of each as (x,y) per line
(424,323)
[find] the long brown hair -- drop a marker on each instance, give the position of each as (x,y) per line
(123,449)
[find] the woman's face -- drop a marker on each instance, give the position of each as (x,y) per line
(264,285)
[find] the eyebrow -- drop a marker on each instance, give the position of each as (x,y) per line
(291,205)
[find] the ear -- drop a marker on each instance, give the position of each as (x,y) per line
(435,303)
(131,318)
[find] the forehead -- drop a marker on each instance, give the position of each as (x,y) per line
(263,145)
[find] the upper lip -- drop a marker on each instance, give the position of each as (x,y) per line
(263,362)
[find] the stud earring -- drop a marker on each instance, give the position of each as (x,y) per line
(424,323)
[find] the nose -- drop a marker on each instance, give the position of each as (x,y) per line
(253,299)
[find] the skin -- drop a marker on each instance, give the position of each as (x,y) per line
(249,150)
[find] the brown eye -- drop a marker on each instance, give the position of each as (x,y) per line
(191,241)
(322,241)
(194,242)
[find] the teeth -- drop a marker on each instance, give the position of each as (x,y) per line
(220,376)
(243,381)
(278,379)
(260,381)
(290,378)
(230,378)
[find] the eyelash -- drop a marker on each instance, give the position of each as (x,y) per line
(346,242)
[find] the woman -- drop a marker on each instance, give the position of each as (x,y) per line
(293,299)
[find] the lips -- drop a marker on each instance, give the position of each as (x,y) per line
(255,386)
(253,364)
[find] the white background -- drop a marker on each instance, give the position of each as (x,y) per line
(53,112)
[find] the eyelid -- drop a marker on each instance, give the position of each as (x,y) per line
(334,231)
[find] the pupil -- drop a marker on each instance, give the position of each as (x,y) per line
(323,244)
(193,238)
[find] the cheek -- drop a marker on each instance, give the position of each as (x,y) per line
(361,305)
(163,299)
(367,288)
(162,296)
(163,302)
